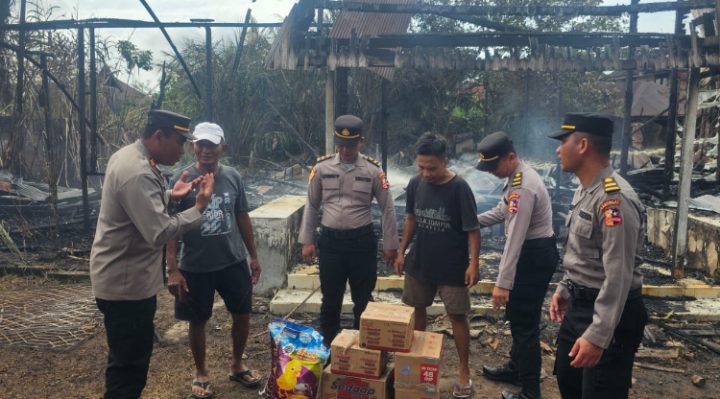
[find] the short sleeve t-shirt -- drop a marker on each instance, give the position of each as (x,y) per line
(444,214)
(217,243)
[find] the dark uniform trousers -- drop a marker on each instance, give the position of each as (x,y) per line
(612,377)
(535,267)
(130,333)
(345,255)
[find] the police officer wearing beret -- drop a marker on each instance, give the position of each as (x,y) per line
(126,270)
(343,185)
(528,261)
(599,300)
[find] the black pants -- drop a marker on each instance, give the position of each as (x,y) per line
(129,328)
(612,377)
(536,265)
(349,255)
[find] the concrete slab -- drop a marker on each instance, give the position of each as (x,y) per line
(286,300)
(304,277)
(275,225)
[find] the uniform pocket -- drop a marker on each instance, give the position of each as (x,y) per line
(330,189)
(362,189)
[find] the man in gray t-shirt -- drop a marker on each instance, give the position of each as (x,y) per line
(214,258)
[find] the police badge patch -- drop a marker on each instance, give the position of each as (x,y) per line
(513,203)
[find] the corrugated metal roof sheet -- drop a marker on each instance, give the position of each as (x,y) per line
(371,24)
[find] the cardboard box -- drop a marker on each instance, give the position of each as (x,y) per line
(415,394)
(348,358)
(387,327)
(419,369)
(346,387)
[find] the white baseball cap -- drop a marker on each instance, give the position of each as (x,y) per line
(210,132)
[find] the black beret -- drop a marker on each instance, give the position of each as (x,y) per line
(348,130)
(492,148)
(586,122)
(161,119)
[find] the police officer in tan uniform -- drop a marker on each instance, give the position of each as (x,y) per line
(126,269)
(599,300)
(528,262)
(343,185)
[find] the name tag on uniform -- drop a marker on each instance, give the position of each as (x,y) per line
(585,215)
(330,176)
(360,178)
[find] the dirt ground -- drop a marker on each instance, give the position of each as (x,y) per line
(78,373)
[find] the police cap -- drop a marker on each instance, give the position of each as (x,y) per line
(586,122)
(166,120)
(492,148)
(348,130)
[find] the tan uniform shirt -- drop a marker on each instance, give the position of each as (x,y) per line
(345,197)
(604,235)
(525,208)
(133,225)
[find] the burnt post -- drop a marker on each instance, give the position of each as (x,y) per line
(82,127)
(18,136)
(209,76)
(93,104)
(627,115)
(329,111)
(672,117)
(686,164)
(49,144)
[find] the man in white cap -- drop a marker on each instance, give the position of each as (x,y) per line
(215,259)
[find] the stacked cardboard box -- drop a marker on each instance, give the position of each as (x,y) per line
(343,386)
(387,327)
(359,367)
(348,358)
(417,372)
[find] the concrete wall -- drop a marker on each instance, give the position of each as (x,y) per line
(703,238)
(276,225)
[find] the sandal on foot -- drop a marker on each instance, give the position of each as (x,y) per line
(462,391)
(205,386)
(242,379)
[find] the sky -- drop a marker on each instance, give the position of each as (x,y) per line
(222,11)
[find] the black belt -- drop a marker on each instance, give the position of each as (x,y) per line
(348,234)
(583,293)
(537,243)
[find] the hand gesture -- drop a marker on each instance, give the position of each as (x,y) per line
(255,270)
(500,297)
(585,354)
(472,275)
(558,307)
(177,285)
(202,199)
(399,263)
(308,253)
(182,188)
(390,255)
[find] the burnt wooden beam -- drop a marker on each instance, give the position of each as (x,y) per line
(579,40)
(118,23)
(527,11)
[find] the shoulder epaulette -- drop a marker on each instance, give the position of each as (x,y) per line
(325,157)
(610,185)
(373,161)
(517,179)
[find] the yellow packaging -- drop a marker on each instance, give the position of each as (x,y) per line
(387,327)
(348,358)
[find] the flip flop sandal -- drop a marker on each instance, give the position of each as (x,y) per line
(462,391)
(205,386)
(240,378)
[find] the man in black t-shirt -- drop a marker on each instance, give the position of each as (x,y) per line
(440,213)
